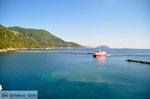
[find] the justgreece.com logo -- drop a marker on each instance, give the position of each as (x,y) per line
(18,95)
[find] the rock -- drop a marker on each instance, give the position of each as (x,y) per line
(1,87)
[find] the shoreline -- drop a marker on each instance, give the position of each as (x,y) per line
(11,49)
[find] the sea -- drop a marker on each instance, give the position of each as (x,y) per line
(77,76)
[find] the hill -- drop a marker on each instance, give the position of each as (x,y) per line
(103,47)
(18,37)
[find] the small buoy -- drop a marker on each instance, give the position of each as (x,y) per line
(1,87)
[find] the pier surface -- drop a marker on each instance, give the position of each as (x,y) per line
(138,61)
(54,52)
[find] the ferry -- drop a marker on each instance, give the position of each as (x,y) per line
(100,54)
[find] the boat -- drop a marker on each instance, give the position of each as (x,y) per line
(100,54)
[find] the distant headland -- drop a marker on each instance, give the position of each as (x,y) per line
(103,47)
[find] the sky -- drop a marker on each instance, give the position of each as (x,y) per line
(115,23)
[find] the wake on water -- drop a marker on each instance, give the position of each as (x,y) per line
(129,54)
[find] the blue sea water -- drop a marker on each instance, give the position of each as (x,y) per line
(78,76)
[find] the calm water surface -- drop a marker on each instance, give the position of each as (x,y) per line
(78,76)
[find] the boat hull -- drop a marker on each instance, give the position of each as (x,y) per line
(95,55)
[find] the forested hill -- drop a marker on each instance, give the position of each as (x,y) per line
(17,37)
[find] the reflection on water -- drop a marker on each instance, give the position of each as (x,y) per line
(101,60)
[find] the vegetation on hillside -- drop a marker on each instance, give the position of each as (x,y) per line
(17,37)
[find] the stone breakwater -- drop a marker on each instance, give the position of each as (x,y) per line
(138,61)
(54,52)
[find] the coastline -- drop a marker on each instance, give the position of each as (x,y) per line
(11,49)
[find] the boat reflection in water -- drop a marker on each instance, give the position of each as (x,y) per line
(101,60)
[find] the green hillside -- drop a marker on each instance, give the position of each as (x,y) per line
(17,37)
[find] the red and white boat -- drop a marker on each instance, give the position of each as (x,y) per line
(100,54)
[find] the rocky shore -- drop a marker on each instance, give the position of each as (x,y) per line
(10,49)
(3,50)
